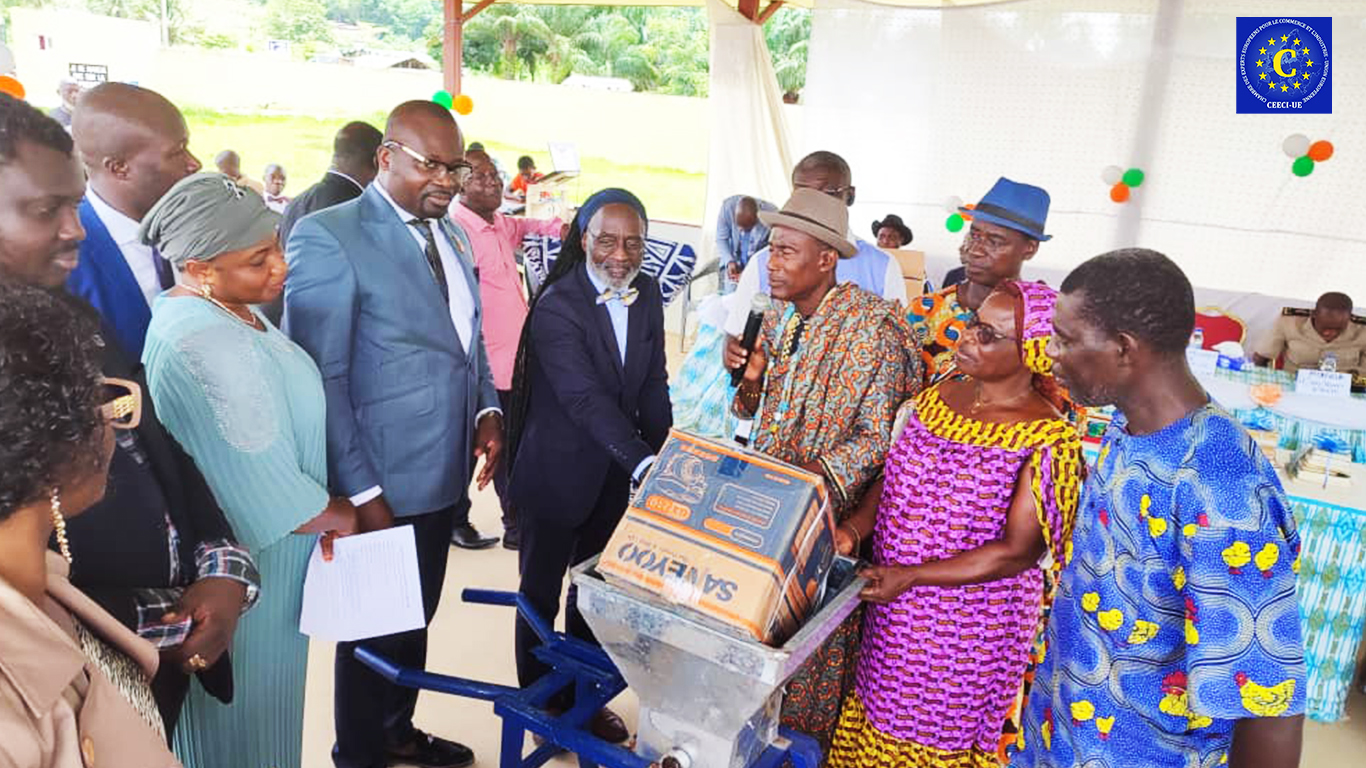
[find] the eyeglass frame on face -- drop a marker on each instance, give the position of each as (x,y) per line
(980,329)
(606,245)
(458,170)
(124,411)
(831,191)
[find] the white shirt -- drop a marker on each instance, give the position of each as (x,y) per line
(276,203)
(124,231)
(619,313)
(462,300)
(461,304)
(738,301)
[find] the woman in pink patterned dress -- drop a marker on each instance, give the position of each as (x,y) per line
(977,500)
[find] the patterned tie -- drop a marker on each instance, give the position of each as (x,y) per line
(627,297)
(433,257)
(164,272)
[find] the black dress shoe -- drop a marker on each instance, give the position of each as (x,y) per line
(466,537)
(608,726)
(512,539)
(427,751)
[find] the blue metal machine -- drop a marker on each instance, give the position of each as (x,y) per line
(755,742)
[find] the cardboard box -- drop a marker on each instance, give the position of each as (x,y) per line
(912,265)
(730,533)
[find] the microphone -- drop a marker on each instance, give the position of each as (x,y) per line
(757,307)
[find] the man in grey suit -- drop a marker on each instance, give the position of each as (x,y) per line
(382,293)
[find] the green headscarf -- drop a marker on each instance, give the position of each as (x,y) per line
(205,216)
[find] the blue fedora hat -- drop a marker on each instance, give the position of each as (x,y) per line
(1021,207)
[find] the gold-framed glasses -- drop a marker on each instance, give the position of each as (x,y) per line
(123,409)
(458,170)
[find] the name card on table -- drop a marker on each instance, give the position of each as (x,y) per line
(1203,362)
(1311,381)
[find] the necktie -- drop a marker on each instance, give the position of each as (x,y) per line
(433,257)
(164,272)
(627,297)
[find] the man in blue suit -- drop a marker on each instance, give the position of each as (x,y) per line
(135,147)
(382,293)
(590,384)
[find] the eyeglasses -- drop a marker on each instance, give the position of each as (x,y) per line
(986,335)
(458,170)
(831,191)
(606,244)
(124,408)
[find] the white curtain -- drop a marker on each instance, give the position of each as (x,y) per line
(750,149)
(927,104)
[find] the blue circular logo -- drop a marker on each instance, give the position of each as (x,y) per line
(1284,60)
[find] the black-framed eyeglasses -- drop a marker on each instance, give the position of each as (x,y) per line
(458,170)
(986,335)
(832,191)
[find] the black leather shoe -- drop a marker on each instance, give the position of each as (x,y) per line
(608,726)
(512,539)
(466,537)
(427,751)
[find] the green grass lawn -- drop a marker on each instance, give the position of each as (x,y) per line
(303,145)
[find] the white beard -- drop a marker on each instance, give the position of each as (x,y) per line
(606,279)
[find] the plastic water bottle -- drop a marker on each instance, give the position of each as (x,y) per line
(1329,362)
(1197,339)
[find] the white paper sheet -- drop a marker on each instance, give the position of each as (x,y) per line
(371,588)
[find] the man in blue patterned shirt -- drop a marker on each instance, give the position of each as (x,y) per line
(1174,640)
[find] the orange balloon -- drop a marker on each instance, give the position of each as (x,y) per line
(463,104)
(1320,151)
(1120,192)
(12,87)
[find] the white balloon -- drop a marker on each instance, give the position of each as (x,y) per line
(1112,175)
(952,204)
(1296,145)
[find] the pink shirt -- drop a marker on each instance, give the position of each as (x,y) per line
(500,284)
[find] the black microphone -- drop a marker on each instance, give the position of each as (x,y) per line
(757,307)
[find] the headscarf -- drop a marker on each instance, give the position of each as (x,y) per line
(205,216)
(608,196)
(1034,304)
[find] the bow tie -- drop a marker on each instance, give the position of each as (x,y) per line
(626,297)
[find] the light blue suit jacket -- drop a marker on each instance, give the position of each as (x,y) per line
(402,392)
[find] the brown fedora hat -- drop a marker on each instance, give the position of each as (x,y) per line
(817,214)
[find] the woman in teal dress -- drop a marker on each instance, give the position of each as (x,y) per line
(248,405)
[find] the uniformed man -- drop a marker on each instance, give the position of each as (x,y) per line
(1307,337)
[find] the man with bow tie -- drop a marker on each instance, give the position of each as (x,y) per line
(274,195)
(590,409)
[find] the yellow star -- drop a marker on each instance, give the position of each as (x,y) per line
(1283,88)
(1262,52)
(1297,41)
(1263,75)
(1284,38)
(1306,75)
(1259,62)
(1272,84)
(1297,84)
(1271,42)
(1308,63)
(1306,50)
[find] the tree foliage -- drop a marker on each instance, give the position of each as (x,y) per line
(298,21)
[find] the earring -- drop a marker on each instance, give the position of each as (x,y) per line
(206,290)
(59,526)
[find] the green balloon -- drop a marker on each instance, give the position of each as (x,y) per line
(1133,177)
(1303,166)
(444,98)
(954,222)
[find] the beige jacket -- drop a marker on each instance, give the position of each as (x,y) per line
(57,710)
